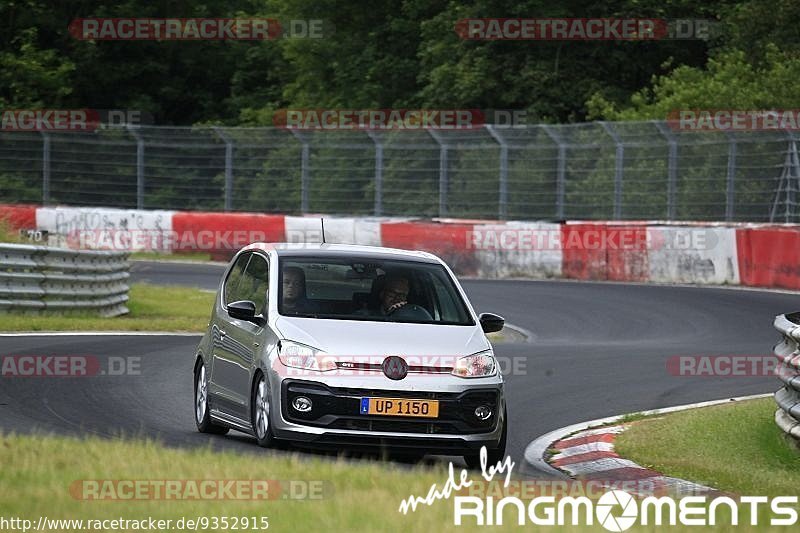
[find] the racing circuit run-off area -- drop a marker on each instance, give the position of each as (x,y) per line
(500,266)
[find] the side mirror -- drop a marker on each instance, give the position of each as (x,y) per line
(491,322)
(243,310)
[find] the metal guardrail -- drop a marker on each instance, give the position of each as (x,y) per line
(40,278)
(788,397)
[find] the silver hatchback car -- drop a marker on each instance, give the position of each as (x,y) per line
(351,347)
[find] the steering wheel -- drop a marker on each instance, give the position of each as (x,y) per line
(410,311)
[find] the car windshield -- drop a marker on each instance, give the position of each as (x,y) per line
(370,289)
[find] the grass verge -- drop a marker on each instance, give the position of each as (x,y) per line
(39,478)
(734,447)
(152,308)
(8,235)
(55,476)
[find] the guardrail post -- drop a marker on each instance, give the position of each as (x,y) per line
(228,167)
(790,176)
(672,167)
(45,168)
(502,202)
(305,156)
(378,208)
(139,166)
(730,181)
(561,169)
(619,161)
(443,177)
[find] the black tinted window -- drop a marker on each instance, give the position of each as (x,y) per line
(370,289)
(255,283)
(231,293)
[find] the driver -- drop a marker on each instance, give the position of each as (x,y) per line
(294,292)
(394,300)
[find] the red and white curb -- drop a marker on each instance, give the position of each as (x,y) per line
(589,456)
(585,452)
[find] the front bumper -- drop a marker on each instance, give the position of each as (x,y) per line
(335,419)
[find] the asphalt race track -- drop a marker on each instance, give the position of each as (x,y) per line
(599,349)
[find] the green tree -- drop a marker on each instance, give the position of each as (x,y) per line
(729,81)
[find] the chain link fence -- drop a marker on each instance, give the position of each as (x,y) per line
(635,170)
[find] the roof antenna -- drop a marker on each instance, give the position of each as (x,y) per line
(322,223)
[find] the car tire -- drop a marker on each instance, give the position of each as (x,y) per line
(260,413)
(202,414)
(493,455)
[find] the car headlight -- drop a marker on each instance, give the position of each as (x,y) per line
(478,365)
(297,355)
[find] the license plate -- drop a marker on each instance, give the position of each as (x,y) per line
(400,407)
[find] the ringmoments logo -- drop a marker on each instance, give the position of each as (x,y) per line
(618,510)
(614,510)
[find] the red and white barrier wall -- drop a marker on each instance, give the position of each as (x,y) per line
(705,253)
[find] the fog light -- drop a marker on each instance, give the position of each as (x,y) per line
(302,404)
(483,412)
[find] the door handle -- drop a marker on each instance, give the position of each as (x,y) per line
(222,333)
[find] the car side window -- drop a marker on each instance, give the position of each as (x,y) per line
(233,282)
(255,282)
(449,308)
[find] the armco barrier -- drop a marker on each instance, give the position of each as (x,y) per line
(40,278)
(769,256)
(788,397)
